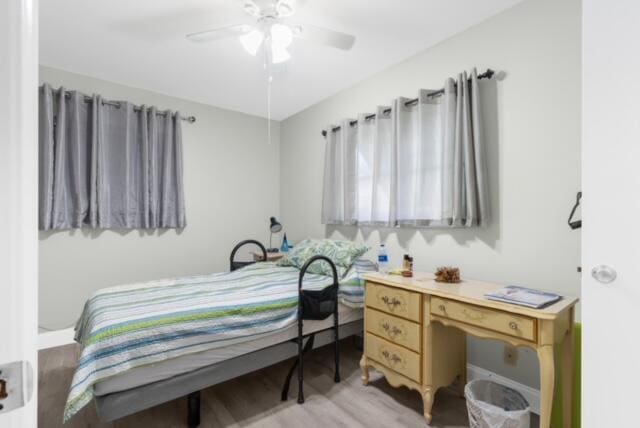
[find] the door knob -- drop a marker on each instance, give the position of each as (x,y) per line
(604,274)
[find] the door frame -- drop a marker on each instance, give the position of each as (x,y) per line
(19,198)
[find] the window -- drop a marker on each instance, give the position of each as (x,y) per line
(416,164)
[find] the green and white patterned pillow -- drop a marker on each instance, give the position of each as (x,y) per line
(341,253)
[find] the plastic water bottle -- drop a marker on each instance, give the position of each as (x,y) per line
(383,259)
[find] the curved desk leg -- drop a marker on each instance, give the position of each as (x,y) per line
(365,370)
(547,378)
(567,375)
(427,402)
(462,378)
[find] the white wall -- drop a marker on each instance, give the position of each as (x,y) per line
(231,189)
(533,145)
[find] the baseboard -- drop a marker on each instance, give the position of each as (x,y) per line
(532,395)
(52,339)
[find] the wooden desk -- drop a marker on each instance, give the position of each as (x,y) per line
(415,335)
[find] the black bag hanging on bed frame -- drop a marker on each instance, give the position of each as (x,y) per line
(314,305)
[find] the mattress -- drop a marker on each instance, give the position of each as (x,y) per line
(166,369)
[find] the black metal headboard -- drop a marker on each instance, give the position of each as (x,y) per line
(233,265)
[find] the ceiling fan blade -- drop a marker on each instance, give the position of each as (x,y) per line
(251,7)
(220,33)
(324,36)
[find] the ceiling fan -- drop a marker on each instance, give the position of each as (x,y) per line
(273,31)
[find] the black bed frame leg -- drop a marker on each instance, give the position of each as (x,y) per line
(193,406)
(301,353)
(287,381)
(336,339)
(300,373)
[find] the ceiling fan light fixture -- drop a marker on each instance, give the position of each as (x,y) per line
(281,35)
(273,31)
(279,54)
(252,41)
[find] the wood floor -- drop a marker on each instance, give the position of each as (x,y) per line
(253,400)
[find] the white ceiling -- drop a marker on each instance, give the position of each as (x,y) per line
(141,43)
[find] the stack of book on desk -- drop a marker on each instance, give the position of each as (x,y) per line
(522,296)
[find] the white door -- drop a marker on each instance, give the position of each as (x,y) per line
(611,213)
(18,211)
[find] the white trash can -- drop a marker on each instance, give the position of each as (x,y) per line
(491,405)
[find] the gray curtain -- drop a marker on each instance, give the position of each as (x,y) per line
(107,165)
(339,199)
(419,165)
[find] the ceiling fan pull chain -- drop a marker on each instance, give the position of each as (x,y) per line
(269,81)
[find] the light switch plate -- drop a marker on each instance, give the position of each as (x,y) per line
(19,378)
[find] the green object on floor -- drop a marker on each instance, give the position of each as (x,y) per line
(556,414)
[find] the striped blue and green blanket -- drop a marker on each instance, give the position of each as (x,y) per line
(128,326)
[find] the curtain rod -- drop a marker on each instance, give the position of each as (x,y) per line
(116,104)
(486,75)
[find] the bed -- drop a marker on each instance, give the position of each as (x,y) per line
(148,343)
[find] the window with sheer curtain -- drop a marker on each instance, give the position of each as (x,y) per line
(416,164)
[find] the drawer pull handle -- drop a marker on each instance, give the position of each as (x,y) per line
(513,325)
(391,358)
(390,302)
(392,331)
(443,309)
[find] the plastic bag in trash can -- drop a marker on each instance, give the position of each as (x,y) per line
(491,405)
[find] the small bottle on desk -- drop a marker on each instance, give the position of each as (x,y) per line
(383,260)
(407,266)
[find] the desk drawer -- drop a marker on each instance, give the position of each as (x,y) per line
(397,358)
(393,301)
(491,319)
(393,329)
